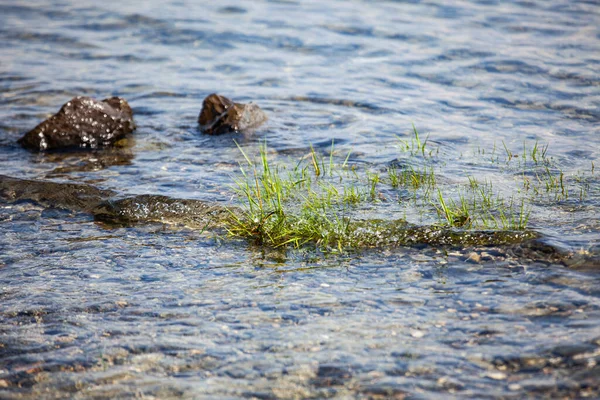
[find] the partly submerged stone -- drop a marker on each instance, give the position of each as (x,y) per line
(70,196)
(156,208)
(82,122)
(220,115)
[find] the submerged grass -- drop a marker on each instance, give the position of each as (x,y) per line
(479,210)
(318,199)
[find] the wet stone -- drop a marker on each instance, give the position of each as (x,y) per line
(450,383)
(588,377)
(496,375)
(220,115)
(332,375)
(384,390)
(524,363)
(82,122)
(69,196)
(474,258)
(570,350)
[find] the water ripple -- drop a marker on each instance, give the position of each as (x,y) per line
(93,311)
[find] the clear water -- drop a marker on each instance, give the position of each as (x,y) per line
(158,312)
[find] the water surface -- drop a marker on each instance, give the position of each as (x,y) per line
(159,312)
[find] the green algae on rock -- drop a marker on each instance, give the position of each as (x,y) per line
(162,209)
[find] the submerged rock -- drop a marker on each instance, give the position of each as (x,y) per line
(220,115)
(70,196)
(106,206)
(82,122)
(156,208)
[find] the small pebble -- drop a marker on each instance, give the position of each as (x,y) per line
(497,375)
(474,257)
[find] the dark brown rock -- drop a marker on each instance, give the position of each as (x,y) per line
(70,196)
(220,115)
(82,122)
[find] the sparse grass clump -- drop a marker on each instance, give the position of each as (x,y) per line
(317,199)
(479,210)
(411,177)
(294,208)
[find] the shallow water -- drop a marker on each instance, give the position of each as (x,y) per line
(156,311)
